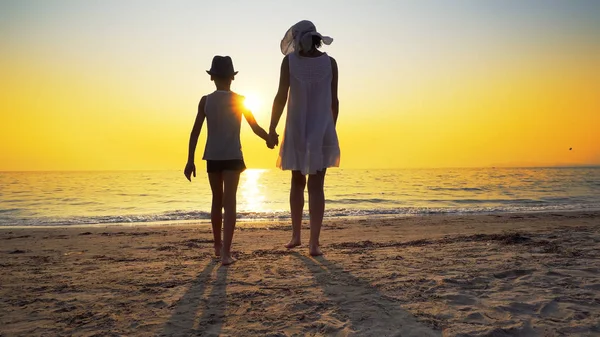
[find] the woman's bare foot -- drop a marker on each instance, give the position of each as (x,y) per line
(217,250)
(293,243)
(314,250)
(227,260)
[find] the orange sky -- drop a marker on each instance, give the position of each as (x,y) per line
(115,85)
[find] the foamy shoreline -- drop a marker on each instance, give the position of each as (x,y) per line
(532,274)
(244,221)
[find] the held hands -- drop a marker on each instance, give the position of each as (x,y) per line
(272,140)
(189,169)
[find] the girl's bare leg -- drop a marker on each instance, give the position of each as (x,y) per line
(296,207)
(216,217)
(230,185)
(316,206)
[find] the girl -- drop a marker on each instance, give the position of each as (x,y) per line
(223,110)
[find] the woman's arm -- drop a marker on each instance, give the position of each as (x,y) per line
(335,103)
(190,167)
(280,98)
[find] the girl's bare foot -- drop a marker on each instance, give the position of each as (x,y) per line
(293,243)
(227,260)
(314,250)
(217,250)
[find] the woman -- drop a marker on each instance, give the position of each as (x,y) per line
(310,143)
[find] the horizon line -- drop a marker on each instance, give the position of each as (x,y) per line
(379,168)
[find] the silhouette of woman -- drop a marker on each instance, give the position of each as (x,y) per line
(310,143)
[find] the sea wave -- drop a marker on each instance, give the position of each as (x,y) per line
(181,215)
(457,189)
(360,200)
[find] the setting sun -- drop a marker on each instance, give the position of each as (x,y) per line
(252,103)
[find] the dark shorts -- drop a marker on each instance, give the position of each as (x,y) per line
(214,166)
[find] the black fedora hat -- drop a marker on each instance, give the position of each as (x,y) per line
(222,66)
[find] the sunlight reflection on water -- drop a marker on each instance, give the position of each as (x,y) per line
(251,191)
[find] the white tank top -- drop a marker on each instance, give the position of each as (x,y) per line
(223,110)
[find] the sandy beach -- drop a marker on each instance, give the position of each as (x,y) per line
(535,274)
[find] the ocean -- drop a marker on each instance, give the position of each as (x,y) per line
(143,197)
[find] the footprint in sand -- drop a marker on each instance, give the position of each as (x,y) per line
(594,286)
(475,317)
(516,308)
(551,309)
(459,299)
(513,273)
(497,314)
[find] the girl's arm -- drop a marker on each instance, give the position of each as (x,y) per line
(256,128)
(280,98)
(190,166)
(335,103)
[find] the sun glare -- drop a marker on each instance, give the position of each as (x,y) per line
(252,103)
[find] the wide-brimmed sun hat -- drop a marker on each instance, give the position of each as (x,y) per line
(222,66)
(299,37)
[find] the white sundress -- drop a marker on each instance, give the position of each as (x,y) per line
(309,142)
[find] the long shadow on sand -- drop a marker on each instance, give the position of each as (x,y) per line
(369,312)
(213,315)
(183,319)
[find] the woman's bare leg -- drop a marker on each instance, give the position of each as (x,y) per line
(230,185)
(316,208)
(216,218)
(296,207)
